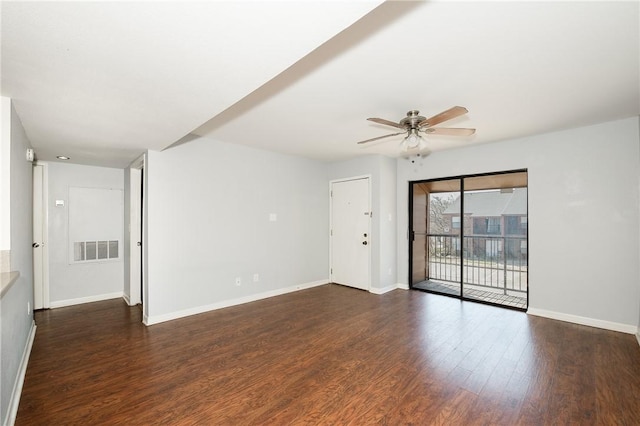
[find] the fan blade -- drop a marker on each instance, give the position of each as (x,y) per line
(449,131)
(449,114)
(386,122)
(381,137)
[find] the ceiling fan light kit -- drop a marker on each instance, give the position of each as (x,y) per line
(413,141)
(414,123)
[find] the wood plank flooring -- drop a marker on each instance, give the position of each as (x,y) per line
(328,355)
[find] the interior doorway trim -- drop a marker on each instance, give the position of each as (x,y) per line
(45,302)
(136,230)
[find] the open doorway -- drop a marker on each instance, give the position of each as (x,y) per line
(40,243)
(469,237)
(136,233)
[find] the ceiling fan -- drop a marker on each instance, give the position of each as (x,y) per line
(414,124)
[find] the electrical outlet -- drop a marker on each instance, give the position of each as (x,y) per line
(238,280)
(256,278)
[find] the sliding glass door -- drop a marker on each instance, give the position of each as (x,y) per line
(436,238)
(469,237)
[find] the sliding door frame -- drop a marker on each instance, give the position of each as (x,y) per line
(410,231)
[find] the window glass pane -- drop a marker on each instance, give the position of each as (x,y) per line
(493,225)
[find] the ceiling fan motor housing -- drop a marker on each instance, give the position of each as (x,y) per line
(412,119)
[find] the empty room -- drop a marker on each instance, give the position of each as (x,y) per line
(320,212)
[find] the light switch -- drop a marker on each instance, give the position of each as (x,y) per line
(273,217)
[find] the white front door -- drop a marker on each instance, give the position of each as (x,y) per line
(351,233)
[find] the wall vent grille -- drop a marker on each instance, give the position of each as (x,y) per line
(85,251)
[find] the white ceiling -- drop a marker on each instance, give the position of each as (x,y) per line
(102,82)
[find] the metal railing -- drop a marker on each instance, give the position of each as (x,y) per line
(488,261)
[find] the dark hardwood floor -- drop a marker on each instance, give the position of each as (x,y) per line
(328,355)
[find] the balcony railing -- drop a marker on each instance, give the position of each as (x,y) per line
(488,261)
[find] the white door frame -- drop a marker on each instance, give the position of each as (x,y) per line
(136,256)
(371,237)
(45,302)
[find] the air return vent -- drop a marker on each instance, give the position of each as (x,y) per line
(84,251)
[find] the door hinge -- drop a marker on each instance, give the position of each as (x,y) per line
(331,232)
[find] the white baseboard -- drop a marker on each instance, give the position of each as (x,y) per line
(638,337)
(126,299)
(89,299)
(383,290)
(14,402)
(156,319)
(402,286)
(591,322)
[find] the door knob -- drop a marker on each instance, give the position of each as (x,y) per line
(364,243)
(34,245)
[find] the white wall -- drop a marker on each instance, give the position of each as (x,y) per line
(5,178)
(208,205)
(15,317)
(80,282)
(388,223)
(584,214)
(383,223)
